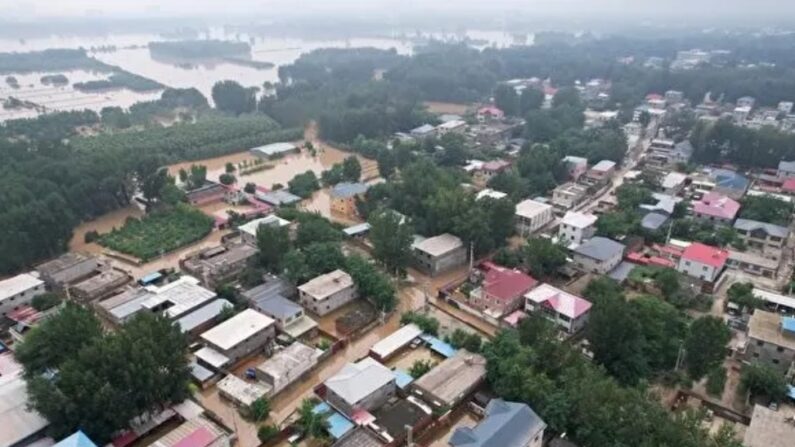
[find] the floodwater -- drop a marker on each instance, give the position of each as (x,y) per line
(64,97)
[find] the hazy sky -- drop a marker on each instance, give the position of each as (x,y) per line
(264,8)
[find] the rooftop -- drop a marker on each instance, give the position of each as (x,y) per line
(506,284)
(323,286)
(63,262)
(202,315)
(237,329)
(397,415)
(577,219)
(76,439)
(18,284)
(725,178)
(396,340)
(274,149)
(705,254)
(753,259)
(663,202)
(600,248)
(360,437)
(506,424)
(346,190)
(240,390)
(278,307)
(770,229)
(278,197)
(604,166)
(252,227)
(355,381)
(421,130)
(290,359)
(454,376)
(653,221)
(770,428)
(530,208)
(179,297)
(217,257)
(102,282)
(17,420)
(673,179)
(766,326)
(493,194)
(194,432)
(786,166)
(717,205)
(562,302)
(575,160)
(439,245)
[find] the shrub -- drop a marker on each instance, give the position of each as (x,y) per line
(267,432)
(716,381)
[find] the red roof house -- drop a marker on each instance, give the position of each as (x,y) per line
(788,186)
(703,261)
(716,207)
(502,289)
(490,112)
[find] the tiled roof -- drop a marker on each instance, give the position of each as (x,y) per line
(717,205)
(752,225)
(507,424)
(564,303)
(705,254)
(345,190)
(505,284)
(600,248)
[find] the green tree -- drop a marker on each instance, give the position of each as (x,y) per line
(267,432)
(231,97)
(391,239)
(230,167)
(258,410)
(197,176)
(352,169)
(45,301)
(303,185)
(767,209)
(313,229)
(742,295)
(227,179)
(762,380)
(505,99)
(616,339)
(419,368)
(312,424)
(387,163)
(543,257)
(371,283)
(295,267)
(716,381)
(273,242)
(428,324)
(667,280)
(530,99)
(58,339)
(705,345)
(250,188)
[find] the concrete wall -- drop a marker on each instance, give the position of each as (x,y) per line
(526,226)
(778,358)
(370,402)
(591,265)
(570,234)
(329,304)
(20,299)
(254,343)
(697,270)
(440,264)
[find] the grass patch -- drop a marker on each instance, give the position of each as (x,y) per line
(158,233)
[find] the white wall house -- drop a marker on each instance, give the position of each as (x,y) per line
(19,291)
(328,292)
(532,216)
(576,227)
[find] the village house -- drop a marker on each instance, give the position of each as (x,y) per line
(240,392)
(327,292)
(600,173)
(278,197)
(344,196)
(702,261)
(19,291)
(490,113)
(237,338)
(576,227)
(449,382)
(248,231)
(717,208)
(489,170)
(598,255)
(769,428)
(67,269)
(274,150)
(673,183)
(531,216)
(729,183)
(504,424)
(218,265)
(100,285)
(286,367)
(393,343)
(666,153)
(568,195)
(786,169)
(174,300)
(501,290)
(439,254)
(490,193)
(290,317)
(752,263)
(567,311)
(198,321)
(365,385)
(575,166)
(767,238)
(771,340)
(209,192)
(424,131)
(452,126)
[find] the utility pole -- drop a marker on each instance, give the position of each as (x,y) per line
(471,255)
(409,440)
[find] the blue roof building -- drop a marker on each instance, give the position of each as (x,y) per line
(730,183)
(653,221)
(346,190)
(506,424)
(77,439)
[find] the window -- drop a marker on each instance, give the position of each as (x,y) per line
(760,343)
(775,361)
(779,349)
(756,355)
(704,268)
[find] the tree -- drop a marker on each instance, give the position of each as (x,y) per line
(387,163)
(705,345)
(295,267)
(391,239)
(762,380)
(419,368)
(631,196)
(543,257)
(371,283)
(58,339)
(258,410)
(230,167)
(426,323)
(767,209)
(530,99)
(352,169)
(716,381)
(112,378)
(197,176)
(231,97)
(267,432)
(616,339)
(742,295)
(115,117)
(45,301)
(273,242)
(505,99)
(227,179)
(667,280)
(303,185)
(151,180)
(567,96)
(315,229)
(250,188)
(310,423)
